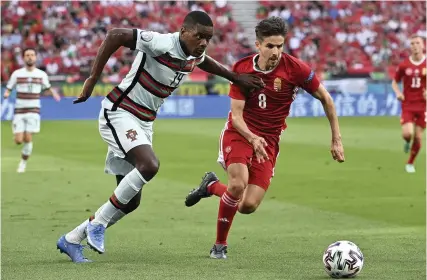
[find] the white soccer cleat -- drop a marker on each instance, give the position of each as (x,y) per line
(410,168)
(22,166)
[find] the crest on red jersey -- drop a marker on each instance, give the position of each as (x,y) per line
(277,84)
(408,71)
(228,149)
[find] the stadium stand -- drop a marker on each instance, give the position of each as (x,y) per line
(335,37)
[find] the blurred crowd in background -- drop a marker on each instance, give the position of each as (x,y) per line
(338,38)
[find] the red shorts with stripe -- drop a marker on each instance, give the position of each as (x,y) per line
(234,148)
(418,117)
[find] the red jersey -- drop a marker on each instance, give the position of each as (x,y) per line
(413,76)
(266,109)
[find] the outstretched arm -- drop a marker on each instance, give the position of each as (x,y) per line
(325,98)
(212,66)
(115,39)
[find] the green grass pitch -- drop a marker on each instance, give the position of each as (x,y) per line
(312,202)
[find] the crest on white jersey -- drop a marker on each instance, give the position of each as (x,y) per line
(147,36)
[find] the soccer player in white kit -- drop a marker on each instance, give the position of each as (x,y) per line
(128,112)
(30,82)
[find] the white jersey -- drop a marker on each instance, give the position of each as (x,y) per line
(29,85)
(158,69)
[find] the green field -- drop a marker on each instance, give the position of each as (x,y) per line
(311,203)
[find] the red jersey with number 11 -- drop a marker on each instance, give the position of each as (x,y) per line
(413,76)
(266,109)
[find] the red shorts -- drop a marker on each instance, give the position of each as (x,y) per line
(234,148)
(418,117)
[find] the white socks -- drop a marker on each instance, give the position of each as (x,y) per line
(130,185)
(27,149)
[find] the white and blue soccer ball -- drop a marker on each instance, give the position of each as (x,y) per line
(343,259)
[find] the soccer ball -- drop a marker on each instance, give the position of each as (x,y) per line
(343,259)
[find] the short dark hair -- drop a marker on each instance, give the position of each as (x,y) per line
(28,49)
(272,26)
(197,17)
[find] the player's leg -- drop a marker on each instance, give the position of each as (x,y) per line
(70,242)
(32,126)
(237,181)
(131,139)
(407,123)
(26,151)
(260,175)
(18,129)
(420,125)
(252,198)
(210,184)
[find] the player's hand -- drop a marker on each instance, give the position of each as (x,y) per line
(57,97)
(6,94)
(249,81)
(424,94)
(259,144)
(400,97)
(337,150)
(87,90)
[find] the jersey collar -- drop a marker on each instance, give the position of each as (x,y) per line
(256,68)
(418,62)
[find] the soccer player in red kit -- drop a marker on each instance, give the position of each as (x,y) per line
(412,72)
(249,144)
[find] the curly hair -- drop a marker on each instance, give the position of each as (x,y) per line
(272,26)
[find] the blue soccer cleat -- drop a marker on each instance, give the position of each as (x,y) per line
(95,237)
(74,251)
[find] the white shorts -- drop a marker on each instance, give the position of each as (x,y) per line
(115,165)
(123,131)
(28,122)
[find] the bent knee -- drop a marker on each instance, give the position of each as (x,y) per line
(148,168)
(406,135)
(236,186)
(248,207)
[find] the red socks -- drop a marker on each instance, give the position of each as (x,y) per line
(217,188)
(416,146)
(226,212)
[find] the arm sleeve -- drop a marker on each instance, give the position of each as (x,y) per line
(305,77)
(152,43)
(45,81)
(12,81)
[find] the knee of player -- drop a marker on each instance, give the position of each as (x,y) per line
(418,138)
(407,135)
(247,207)
(18,141)
(236,186)
(148,168)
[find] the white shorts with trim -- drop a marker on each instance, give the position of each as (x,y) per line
(122,131)
(27,122)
